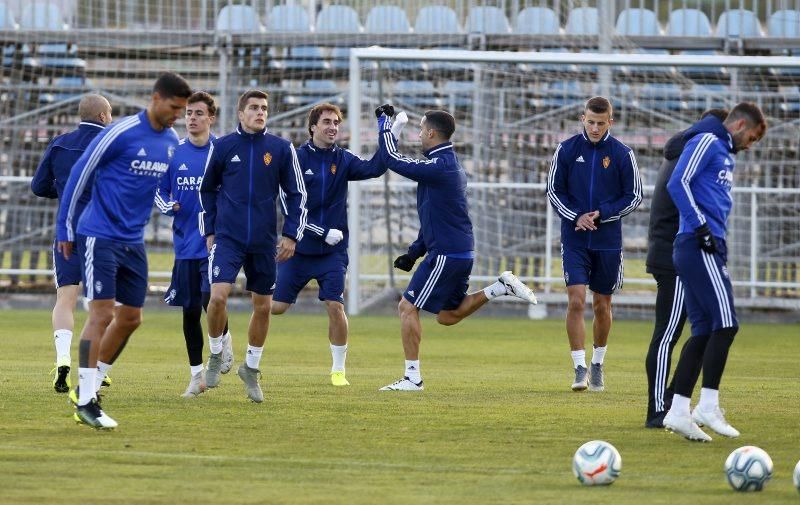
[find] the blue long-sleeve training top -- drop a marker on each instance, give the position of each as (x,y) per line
(242,179)
(586,176)
(701,183)
(326,173)
(60,156)
(126,159)
(181,185)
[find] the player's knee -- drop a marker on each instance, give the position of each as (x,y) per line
(262,309)
(217,300)
(405,308)
(576,304)
(726,333)
(279,308)
(447,318)
(131,321)
(335,310)
(601,304)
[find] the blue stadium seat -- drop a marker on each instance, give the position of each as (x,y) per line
(688,23)
(638,22)
(316,91)
(238,18)
(7,21)
(537,21)
(60,56)
(661,96)
(717,73)
(784,23)
(437,19)
(790,99)
(288,18)
(415,94)
(487,19)
(738,23)
(647,69)
(582,21)
(563,93)
(42,15)
(298,58)
(459,94)
(706,96)
(387,19)
(338,19)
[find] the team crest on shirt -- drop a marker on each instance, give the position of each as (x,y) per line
(333,169)
(267,158)
(170,152)
(606,162)
(98,287)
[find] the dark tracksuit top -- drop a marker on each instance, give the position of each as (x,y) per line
(325,174)
(586,176)
(243,175)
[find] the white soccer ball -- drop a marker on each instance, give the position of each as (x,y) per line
(748,468)
(596,463)
(796,476)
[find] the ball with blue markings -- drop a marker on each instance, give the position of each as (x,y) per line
(748,468)
(596,463)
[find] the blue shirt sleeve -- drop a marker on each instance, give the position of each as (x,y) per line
(43,182)
(209,189)
(294,196)
(163,201)
(693,160)
(631,192)
(417,248)
(558,189)
(416,170)
(359,169)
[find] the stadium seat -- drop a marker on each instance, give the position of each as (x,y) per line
(437,19)
(738,23)
(784,23)
(62,57)
(40,15)
(582,21)
(7,21)
(537,21)
(688,23)
(487,19)
(661,96)
(706,96)
(790,99)
(638,22)
(459,95)
(387,19)
(338,19)
(714,73)
(288,18)
(298,58)
(563,93)
(238,18)
(415,94)
(316,91)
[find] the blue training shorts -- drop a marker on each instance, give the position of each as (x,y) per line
(439,283)
(327,269)
(600,269)
(189,282)
(114,270)
(709,294)
(227,258)
(67,272)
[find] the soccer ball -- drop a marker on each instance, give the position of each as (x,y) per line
(596,463)
(796,476)
(748,468)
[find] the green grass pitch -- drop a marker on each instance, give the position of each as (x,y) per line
(497,422)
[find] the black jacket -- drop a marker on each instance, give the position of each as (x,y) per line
(664,215)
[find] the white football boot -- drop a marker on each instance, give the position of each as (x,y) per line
(714,420)
(404,384)
(515,287)
(683,425)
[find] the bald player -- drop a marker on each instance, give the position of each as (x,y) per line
(48,182)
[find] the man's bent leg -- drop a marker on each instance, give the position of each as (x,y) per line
(279,308)
(468,306)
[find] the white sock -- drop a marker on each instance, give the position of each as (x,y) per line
(494,290)
(253,356)
(86,385)
(226,338)
(598,353)
(680,405)
(63,341)
(102,371)
(578,358)
(195,369)
(339,355)
(215,344)
(412,371)
(709,399)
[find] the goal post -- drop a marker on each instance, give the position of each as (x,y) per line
(512,109)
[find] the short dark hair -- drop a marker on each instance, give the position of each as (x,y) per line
(316,112)
(202,96)
(719,113)
(599,105)
(251,93)
(441,121)
(749,112)
(170,85)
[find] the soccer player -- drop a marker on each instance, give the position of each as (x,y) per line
(245,171)
(49,182)
(322,254)
(439,285)
(177,197)
(127,159)
(670,311)
(700,186)
(593,183)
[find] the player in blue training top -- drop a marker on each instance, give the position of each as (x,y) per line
(245,171)
(177,196)
(593,183)
(439,285)
(127,159)
(48,182)
(700,186)
(322,254)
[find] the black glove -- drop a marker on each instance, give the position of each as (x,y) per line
(404,262)
(705,239)
(386,109)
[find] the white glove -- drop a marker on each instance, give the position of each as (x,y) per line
(334,236)
(400,121)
